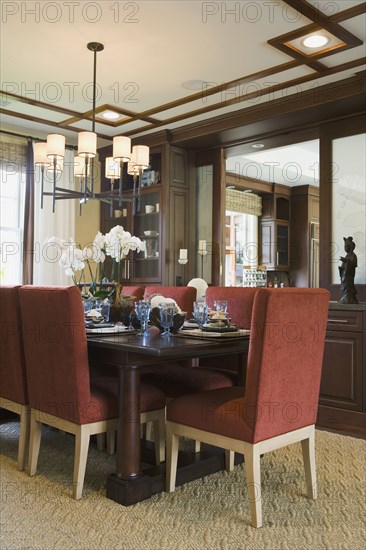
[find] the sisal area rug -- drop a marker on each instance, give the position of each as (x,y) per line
(210,513)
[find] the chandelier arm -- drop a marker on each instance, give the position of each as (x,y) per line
(81,188)
(42,185)
(120,183)
(54,184)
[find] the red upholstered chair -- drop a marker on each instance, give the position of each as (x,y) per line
(59,388)
(240,305)
(174,378)
(133,290)
(183,295)
(13,380)
(280,401)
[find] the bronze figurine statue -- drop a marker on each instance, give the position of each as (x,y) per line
(347,273)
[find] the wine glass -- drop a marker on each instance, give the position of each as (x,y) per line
(200,313)
(142,309)
(166,317)
(221,307)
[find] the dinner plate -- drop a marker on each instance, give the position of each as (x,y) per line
(109,330)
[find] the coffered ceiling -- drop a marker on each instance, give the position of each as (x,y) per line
(238,54)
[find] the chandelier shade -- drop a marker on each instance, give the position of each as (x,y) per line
(141,156)
(87,144)
(122,148)
(40,154)
(112,169)
(50,156)
(79,167)
(55,146)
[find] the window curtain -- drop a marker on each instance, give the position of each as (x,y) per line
(246,203)
(46,269)
(28,229)
(13,159)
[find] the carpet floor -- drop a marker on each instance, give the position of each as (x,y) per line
(209,513)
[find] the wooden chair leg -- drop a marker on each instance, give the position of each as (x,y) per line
(34,444)
(229,460)
(159,438)
(171,461)
(101,442)
(308,453)
(23,445)
(252,468)
(111,442)
(82,439)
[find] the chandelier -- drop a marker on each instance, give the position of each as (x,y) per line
(50,156)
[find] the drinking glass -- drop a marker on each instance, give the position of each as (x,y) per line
(221,307)
(166,317)
(142,309)
(104,308)
(200,313)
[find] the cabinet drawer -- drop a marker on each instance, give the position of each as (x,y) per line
(341,383)
(345,320)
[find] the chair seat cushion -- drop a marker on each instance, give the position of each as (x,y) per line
(175,380)
(106,389)
(219,411)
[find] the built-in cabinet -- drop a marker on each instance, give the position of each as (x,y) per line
(342,403)
(275,229)
(305,236)
(158,216)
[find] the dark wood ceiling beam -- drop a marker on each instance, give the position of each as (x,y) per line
(350,13)
(315,15)
(245,97)
(47,122)
(42,104)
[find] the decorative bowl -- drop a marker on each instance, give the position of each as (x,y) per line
(179,319)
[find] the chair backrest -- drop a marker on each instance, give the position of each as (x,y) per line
(285,360)
(183,295)
(56,354)
(133,290)
(240,302)
(13,380)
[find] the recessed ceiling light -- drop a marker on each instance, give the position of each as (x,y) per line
(195,84)
(248,191)
(110,115)
(230,187)
(315,41)
(257,145)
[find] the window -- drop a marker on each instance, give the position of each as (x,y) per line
(241,240)
(12,192)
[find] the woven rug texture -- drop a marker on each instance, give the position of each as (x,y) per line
(209,513)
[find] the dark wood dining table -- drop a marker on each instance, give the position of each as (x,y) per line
(127,352)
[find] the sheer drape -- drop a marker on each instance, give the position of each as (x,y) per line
(28,231)
(46,269)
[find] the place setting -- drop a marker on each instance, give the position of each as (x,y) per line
(208,323)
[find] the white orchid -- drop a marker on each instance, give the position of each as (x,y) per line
(116,244)
(119,242)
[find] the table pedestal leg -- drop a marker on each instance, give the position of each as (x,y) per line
(128,485)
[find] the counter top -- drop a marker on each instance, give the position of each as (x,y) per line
(347,307)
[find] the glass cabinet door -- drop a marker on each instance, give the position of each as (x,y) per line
(146,226)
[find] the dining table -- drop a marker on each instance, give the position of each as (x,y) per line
(127,352)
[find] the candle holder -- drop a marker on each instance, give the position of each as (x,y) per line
(203,253)
(183,261)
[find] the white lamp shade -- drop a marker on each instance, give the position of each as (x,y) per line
(122,148)
(87,144)
(141,156)
(40,154)
(79,167)
(112,169)
(59,166)
(55,146)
